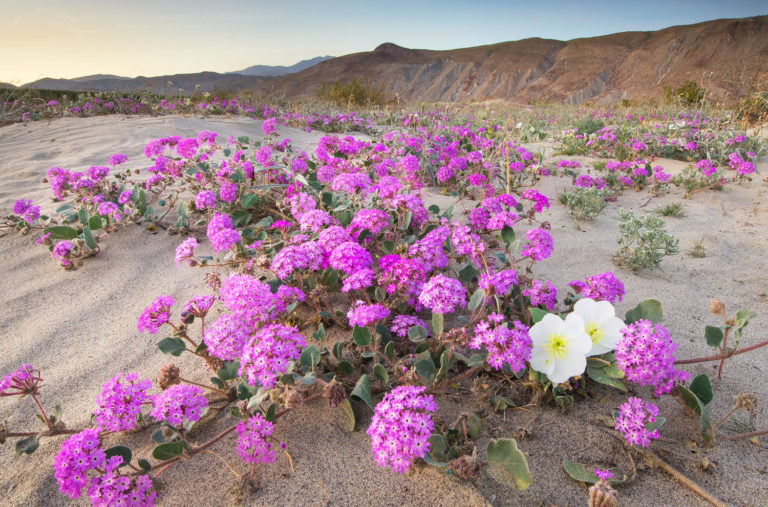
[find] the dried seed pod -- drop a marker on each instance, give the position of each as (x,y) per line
(602,495)
(716,307)
(168,376)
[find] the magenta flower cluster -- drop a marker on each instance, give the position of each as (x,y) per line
(401,426)
(155,315)
(119,402)
(634,417)
(646,355)
(361,314)
(269,353)
(600,287)
(26,210)
(179,404)
(22,381)
(542,293)
(540,246)
(403,323)
(252,445)
(505,345)
(443,295)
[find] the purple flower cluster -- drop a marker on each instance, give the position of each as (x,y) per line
(77,455)
(374,220)
(586,181)
(646,355)
(62,252)
(226,337)
(403,323)
(269,353)
(111,488)
(359,280)
(361,314)
(603,475)
(504,345)
(26,210)
(316,220)
(198,306)
(540,201)
(540,246)
(117,159)
(205,199)
(252,445)
(401,426)
(178,404)
(309,255)
(443,295)
(542,293)
(185,252)
(221,233)
(634,416)
(600,287)
(707,167)
(120,402)
(500,281)
(21,382)
(252,299)
(743,167)
(401,275)
(350,257)
(155,315)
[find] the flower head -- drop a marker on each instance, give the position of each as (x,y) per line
(361,314)
(600,287)
(600,323)
(269,353)
(25,380)
(252,444)
(401,426)
(634,417)
(560,347)
(120,402)
(179,404)
(443,295)
(155,315)
(505,345)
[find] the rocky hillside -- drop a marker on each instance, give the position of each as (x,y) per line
(722,55)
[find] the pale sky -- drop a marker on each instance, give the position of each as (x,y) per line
(71,38)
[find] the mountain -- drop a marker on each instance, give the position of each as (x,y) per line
(280,70)
(6,85)
(721,55)
(208,81)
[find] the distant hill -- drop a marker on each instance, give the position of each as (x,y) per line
(724,56)
(280,70)
(6,85)
(718,54)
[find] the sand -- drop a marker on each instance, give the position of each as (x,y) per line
(79,328)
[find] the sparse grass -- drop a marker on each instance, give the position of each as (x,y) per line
(698,251)
(671,210)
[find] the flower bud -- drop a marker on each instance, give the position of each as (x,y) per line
(602,495)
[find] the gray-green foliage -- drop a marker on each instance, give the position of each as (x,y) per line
(584,203)
(643,242)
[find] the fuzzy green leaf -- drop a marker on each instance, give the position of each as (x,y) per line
(507,464)
(362,390)
(172,346)
(649,309)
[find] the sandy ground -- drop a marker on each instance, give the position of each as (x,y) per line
(79,328)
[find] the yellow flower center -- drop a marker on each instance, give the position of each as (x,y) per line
(594,332)
(557,345)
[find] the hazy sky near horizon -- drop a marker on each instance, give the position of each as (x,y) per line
(71,38)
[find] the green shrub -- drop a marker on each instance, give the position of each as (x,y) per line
(584,203)
(689,93)
(354,93)
(643,242)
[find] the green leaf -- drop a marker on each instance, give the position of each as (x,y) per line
(249,201)
(56,417)
(437,324)
(240,218)
(507,464)
(425,368)
(583,472)
(438,447)
(218,382)
(26,445)
(90,241)
(319,335)
(346,407)
(361,336)
(228,370)
(381,373)
(64,207)
(417,334)
(713,335)
(702,387)
(245,391)
(468,273)
(602,376)
(172,346)
(697,406)
(270,415)
(649,309)
(344,368)
(309,358)
(157,436)
(61,232)
(537,314)
(476,300)
(122,451)
(362,390)
(446,363)
(82,214)
(508,235)
(742,319)
(168,451)
(656,424)
(144,464)
(474,425)
(95,223)
(338,349)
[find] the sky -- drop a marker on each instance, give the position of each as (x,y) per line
(72,38)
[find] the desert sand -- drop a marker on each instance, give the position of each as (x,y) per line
(79,329)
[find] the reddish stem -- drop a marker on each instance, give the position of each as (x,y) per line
(45,416)
(718,357)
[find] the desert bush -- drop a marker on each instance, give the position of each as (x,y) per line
(585,203)
(354,92)
(689,93)
(643,242)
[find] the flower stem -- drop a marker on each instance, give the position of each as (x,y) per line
(45,416)
(718,357)
(748,435)
(685,481)
(210,388)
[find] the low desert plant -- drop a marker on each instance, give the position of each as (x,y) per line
(584,203)
(643,242)
(671,210)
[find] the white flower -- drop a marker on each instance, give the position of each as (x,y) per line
(600,323)
(560,347)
